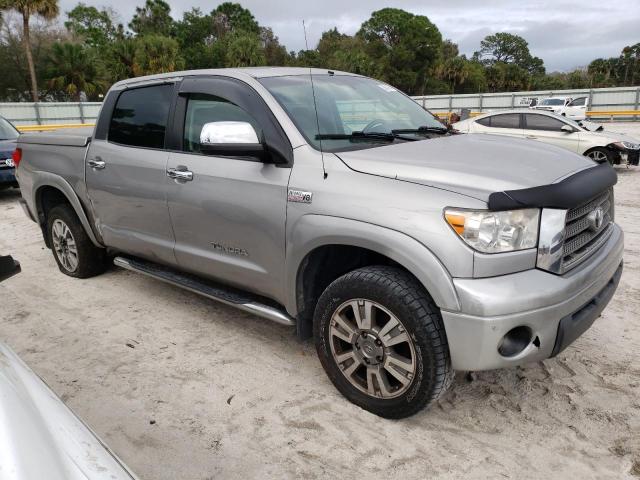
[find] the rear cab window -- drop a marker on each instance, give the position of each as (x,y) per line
(140,116)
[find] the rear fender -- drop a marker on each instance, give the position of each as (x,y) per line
(46,179)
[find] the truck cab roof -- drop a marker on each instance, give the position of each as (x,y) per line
(252,72)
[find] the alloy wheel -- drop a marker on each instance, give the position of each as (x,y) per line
(64,245)
(372,348)
(597,156)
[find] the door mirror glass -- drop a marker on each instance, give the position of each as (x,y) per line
(567,129)
(216,133)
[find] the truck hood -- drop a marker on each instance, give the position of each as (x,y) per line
(473,165)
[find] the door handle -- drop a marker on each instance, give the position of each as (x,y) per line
(96,163)
(532,136)
(180,173)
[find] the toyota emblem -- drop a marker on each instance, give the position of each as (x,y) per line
(595,219)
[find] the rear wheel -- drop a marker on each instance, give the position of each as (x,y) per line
(381,341)
(600,155)
(73,250)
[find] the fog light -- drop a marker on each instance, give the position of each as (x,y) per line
(515,341)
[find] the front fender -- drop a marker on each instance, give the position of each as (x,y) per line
(313,231)
(46,179)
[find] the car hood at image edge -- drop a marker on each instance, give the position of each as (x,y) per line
(473,165)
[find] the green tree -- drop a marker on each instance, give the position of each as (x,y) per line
(156,54)
(95,27)
(152,19)
(338,51)
(120,58)
(275,54)
(74,69)
(15,81)
(243,50)
(508,48)
(196,34)
(405,47)
(230,17)
(47,9)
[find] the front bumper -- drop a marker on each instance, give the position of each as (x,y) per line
(630,157)
(545,303)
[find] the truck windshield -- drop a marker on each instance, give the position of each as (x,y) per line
(7,131)
(353,112)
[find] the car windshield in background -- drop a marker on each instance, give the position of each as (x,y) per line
(552,101)
(7,131)
(353,112)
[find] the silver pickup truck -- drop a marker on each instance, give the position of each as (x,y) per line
(335,203)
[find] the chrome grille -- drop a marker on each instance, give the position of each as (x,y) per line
(582,237)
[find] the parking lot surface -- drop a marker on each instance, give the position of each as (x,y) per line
(181,387)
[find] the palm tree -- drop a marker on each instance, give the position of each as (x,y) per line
(47,9)
(73,69)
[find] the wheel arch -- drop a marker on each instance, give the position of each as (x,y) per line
(317,256)
(52,190)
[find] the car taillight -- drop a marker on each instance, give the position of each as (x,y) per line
(16,156)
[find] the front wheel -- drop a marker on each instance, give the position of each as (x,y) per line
(381,341)
(600,155)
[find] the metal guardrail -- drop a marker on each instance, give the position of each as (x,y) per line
(601,102)
(52,126)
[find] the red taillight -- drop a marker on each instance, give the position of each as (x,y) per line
(16,156)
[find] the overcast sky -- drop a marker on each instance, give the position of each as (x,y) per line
(564,33)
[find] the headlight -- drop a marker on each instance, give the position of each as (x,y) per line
(626,145)
(495,232)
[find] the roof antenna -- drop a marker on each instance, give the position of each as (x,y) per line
(315,104)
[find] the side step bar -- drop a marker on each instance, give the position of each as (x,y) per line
(234,298)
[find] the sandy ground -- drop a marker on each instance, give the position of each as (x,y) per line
(233,396)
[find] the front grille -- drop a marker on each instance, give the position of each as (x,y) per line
(582,235)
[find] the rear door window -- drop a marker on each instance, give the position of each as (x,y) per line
(140,116)
(508,120)
(543,122)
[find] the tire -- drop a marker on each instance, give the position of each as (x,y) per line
(65,231)
(600,155)
(419,337)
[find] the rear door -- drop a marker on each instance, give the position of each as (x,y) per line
(547,129)
(506,124)
(229,218)
(126,173)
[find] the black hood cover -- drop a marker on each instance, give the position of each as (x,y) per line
(568,193)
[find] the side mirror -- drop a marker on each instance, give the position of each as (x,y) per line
(567,129)
(234,139)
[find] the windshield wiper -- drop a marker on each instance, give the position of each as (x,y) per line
(390,137)
(423,129)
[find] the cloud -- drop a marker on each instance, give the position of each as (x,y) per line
(564,33)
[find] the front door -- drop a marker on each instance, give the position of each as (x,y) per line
(547,129)
(229,215)
(126,175)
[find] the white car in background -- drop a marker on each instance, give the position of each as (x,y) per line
(585,138)
(574,108)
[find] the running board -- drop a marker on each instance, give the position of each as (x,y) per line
(235,298)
